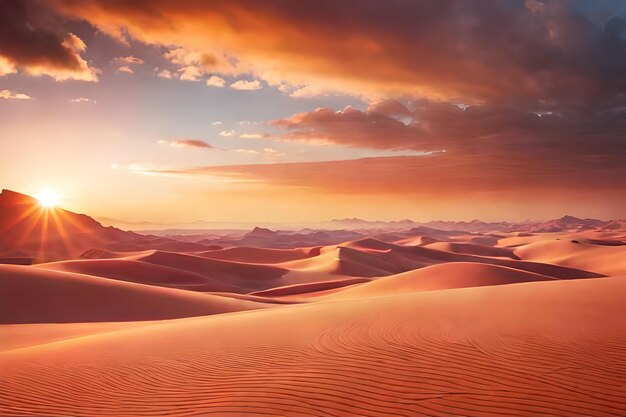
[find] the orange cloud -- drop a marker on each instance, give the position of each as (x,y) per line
(10,95)
(187,143)
(350,126)
(496,133)
(448,49)
(253,135)
(167,74)
(34,42)
(215,81)
(439,177)
(227,133)
(246,85)
(130,60)
(6,67)
(126,69)
(193,65)
(83,100)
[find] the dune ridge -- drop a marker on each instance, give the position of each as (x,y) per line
(143,273)
(439,277)
(578,253)
(249,277)
(260,255)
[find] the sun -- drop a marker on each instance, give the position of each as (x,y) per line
(48,199)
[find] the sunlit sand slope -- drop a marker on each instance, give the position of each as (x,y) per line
(19,336)
(439,277)
(551,348)
(260,255)
(578,253)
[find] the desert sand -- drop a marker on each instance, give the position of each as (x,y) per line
(33,295)
(486,320)
(440,353)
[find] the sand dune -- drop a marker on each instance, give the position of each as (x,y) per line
(519,239)
(578,253)
(373,258)
(245,276)
(432,256)
(416,240)
(439,277)
(95,253)
(257,298)
(260,255)
(352,260)
(312,287)
(547,348)
(474,249)
(142,272)
(35,295)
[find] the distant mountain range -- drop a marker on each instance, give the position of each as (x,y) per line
(562,224)
(28,230)
(224,228)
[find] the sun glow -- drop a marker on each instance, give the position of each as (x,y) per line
(48,199)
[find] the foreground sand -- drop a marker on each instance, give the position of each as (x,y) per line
(543,348)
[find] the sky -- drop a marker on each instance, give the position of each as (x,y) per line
(289,111)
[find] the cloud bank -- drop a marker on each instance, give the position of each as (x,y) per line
(33,40)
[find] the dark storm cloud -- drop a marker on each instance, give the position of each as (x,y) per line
(32,39)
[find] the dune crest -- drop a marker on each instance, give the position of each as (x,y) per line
(439,277)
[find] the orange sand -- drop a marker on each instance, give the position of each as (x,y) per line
(546,348)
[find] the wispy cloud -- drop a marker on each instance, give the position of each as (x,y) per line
(126,69)
(125,63)
(163,171)
(83,100)
(265,151)
(186,143)
(129,60)
(246,85)
(164,73)
(227,133)
(253,135)
(137,168)
(437,175)
(215,81)
(273,152)
(11,95)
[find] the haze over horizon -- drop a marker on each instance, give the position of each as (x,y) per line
(250,112)
(338,223)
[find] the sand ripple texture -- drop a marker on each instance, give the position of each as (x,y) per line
(544,349)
